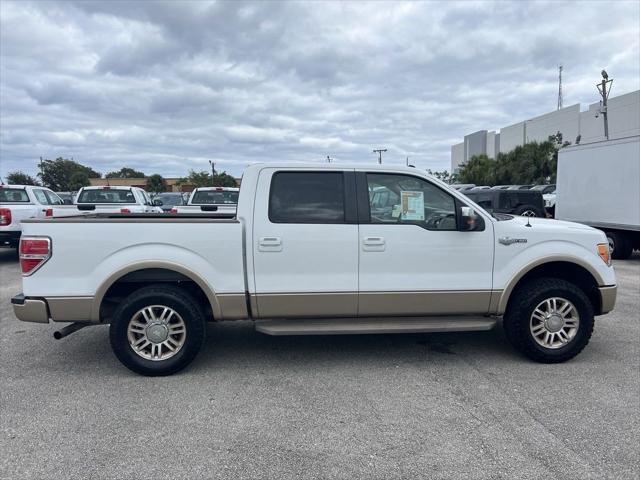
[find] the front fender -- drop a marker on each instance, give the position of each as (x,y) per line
(511,266)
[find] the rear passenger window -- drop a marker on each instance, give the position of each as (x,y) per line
(41,197)
(307,197)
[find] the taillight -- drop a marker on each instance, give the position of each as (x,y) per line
(48,212)
(34,252)
(173,210)
(5,217)
(125,210)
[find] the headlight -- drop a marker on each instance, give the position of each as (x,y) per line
(603,252)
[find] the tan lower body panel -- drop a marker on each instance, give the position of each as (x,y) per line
(607,298)
(424,303)
(372,304)
(336,304)
(233,306)
(70,309)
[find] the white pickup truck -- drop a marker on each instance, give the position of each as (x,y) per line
(19,202)
(307,253)
(114,199)
(220,200)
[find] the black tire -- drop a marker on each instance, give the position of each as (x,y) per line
(517,319)
(529,208)
(620,245)
(178,300)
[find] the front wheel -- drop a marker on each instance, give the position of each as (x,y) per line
(549,320)
(157,330)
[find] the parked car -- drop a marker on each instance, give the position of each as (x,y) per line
(500,187)
(168,200)
(307,254)
(114,199)
(19,202)
(548,197)
(527,203)
(519,187)
(219,200)
(67,197)
(463,186)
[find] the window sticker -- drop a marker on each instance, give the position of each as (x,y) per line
(412,205)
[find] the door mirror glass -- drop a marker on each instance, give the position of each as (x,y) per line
(470,221)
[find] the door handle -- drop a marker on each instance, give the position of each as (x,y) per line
(270,244)
(373,241)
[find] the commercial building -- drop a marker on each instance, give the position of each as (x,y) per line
(575,125)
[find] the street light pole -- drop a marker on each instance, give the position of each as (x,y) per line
(604,93)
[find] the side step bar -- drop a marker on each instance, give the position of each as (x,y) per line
(346,326)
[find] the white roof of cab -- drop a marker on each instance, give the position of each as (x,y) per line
(225,189)
(388,167)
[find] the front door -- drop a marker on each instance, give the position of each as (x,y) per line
(305,244)
(413,258)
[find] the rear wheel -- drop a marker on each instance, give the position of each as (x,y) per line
(549,320)
(620,245)
(157,330)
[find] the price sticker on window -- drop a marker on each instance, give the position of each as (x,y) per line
(412,205)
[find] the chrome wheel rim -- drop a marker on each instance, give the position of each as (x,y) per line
(156,332)
(528,213)
(554,322)
(612,245)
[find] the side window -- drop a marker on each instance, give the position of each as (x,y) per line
(41,197)
(52,198)
(307,197)
(410,200)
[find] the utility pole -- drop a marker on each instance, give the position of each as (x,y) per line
(328,159)
(213,168)
(604,93)
(379,152)
(559,87)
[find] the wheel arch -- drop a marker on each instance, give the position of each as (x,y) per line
(572,269)
(175,271)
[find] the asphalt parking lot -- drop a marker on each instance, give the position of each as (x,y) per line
(461,405)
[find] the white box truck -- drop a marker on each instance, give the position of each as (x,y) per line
(599,185)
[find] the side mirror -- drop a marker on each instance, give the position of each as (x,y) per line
(470,221)
(157,202)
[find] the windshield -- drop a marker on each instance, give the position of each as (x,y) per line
(11,195)
(214,197)
(106,196)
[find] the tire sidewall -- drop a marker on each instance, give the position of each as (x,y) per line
(183,305)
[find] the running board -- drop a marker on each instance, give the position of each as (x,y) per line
(346,326)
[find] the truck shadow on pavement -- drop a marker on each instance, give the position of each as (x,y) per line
(233,345)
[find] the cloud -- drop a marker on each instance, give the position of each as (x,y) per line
(166,86)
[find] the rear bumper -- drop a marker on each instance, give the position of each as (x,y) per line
(10,238)
(58,309)
(30,309)
(607,298)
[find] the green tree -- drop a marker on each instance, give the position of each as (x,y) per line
(20,178)
(444,175)
(156,184)
(197,179)
(531,163)
(125,172)
(480,170)
(78,180)
(223,180)
(56,174)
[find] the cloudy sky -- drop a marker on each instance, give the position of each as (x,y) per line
(167,86)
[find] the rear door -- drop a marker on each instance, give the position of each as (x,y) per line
(305,243)
(414,259)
